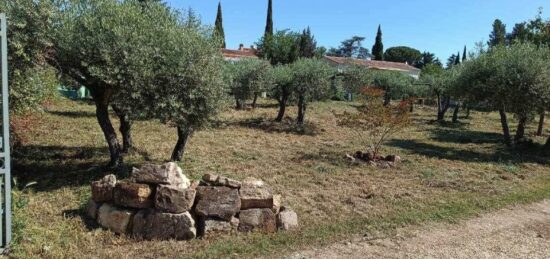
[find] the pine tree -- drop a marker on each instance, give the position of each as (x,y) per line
(457,59)
(498,35)
(464,54)
(269,22)
(218,31)
(308,45)
(378,47)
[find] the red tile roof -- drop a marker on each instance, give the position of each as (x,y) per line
(241,53)
(374,64)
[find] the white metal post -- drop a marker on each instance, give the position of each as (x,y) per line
(5,132)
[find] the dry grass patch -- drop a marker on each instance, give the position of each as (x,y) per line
(448,172)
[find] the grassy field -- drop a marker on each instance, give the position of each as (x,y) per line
(449,172)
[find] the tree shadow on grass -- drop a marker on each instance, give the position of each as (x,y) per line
(500,154)
(465,136)
(286,126)
(54,167)
(73,114)
(90,223)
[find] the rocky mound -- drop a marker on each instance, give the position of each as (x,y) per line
(159,202)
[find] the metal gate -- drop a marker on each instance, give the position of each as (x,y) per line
(5,162)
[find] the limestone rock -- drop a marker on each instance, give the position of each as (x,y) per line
(102,190)
(277,201)
(287,219)
(113,218)
(218,202)
(151,225)
(168,173)
(257,219)
(133,195)
(174,200)
(255,194)
(91,208)
(213,227)
(215,180)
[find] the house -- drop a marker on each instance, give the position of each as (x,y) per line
(342,62)
(232,55)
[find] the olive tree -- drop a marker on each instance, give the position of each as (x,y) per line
(510,79)
(395,84)
(282,81)
(249,77)
(312,79)
(355,77)
(186,87)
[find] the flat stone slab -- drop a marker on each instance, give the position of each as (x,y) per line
(218,202)
(114,218)
(133,195)
(152,225)
(255,194)
(215,227)
(172,199)
(102,190)
(215,180)
(167,174)
(257,219)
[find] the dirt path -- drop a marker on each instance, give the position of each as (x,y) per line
(519,232)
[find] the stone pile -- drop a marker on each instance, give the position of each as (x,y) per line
(159,202)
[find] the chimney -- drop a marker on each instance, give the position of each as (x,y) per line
(241,47)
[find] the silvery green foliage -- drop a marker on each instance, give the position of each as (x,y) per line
(312,78)
(281,77)
(158,62)
(356,77)
(395,84)
(249,77)
(514,78)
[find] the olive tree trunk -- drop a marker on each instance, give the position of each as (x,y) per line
(455,113)
(541,124)
(184,133)
(101,99)
(239,104)
(442,107)
(255,100)
(301,109)
(282,107)
(125,128)
(505,127)
(520,132)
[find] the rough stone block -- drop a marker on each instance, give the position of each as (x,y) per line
(133,195)
(257,219)
(114,218)
(255,194)
(287,219)
(218,202)
(174,200)
(151,225)
(102,190)
(168,173)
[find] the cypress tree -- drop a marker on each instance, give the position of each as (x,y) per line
(378,47)
(464,54)
(498,35)
(457,60)
(308,45)
(218,31)
(269,22)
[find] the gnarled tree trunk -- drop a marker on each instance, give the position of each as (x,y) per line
(541,124)
(125,128)
(505,128)
(455,113)
(520,132)
(184,133)
(442,107)
(239,104)
(102,98)
(301,109)
(255,100)
(282,107)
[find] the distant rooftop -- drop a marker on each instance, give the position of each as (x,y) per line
(373,64)
(240,53)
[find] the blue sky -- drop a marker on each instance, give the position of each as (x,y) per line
(439,26)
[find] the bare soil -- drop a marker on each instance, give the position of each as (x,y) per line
(518,232)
